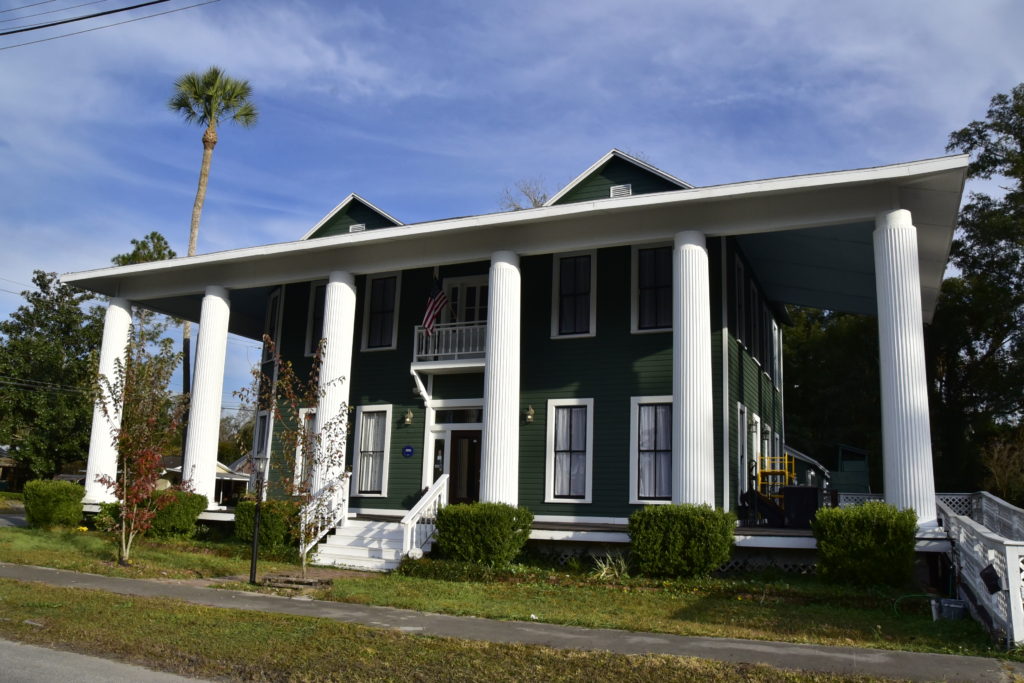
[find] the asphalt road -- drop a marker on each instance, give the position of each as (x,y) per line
(23,663)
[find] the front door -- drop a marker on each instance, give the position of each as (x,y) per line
(464,472)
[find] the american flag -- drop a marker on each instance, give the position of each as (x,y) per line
(436,302)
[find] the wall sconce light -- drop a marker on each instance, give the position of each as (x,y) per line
(408,417)
(530,412)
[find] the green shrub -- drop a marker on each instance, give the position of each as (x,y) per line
(279,523)
(177,517)
(490,534)
(680,540)
(51,503)
(871,543)
(108,517)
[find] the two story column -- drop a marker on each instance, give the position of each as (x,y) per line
(335,378)
(693,467)
(906,434)
(106,413)
(199,466)
(499,461)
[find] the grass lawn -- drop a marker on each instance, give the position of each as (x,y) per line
(216,643)
(792,609)
(96,553)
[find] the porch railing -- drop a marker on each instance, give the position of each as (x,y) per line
(418,523)
(323,512)
(977,549)
(451,341)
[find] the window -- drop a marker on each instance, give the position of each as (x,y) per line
(652,289)
(573,301)
(569,450)
(372,446)
(740,297)
(272,324)
(315,318)
(650,436)
(380,316)
(305,451)
(467,299)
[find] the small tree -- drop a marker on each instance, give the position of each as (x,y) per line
(150,415)
(319,475)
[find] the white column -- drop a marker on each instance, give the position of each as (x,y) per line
(335,378)
(499,458)
(906,436)
(693,467)
(102,448)
(199,466)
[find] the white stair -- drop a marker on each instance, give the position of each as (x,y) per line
(362,544)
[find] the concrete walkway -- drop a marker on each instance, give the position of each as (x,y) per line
(841,660)
(23,663)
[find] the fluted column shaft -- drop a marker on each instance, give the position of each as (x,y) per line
(693,467)
(199,466)
(102,446)
(906,436)
(335,376)
(499,461)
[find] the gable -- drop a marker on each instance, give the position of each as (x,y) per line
(616,171)
(351,212)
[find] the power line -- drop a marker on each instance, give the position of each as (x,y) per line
(37,27)
(15,9)
(52,11)
(97,28)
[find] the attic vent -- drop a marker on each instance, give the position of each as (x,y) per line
(357,227)
(622,190)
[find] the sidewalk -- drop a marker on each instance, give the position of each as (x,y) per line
(841,660)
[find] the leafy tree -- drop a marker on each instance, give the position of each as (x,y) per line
(152,247)
(236,433)
(46,367)
(206,99)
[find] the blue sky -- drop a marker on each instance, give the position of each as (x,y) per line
(430,110)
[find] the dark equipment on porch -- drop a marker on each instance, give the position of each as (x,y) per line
(777,498)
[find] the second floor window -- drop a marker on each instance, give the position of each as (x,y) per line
(654,288)
(381,312)
(574,295)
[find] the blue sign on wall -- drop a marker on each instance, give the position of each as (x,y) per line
(407,451)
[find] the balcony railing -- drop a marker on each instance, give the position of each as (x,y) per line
(451,341)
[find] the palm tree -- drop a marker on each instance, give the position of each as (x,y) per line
(207,99)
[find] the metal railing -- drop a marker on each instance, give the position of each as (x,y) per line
(997,604)
(418,523)
(451,341)
(323,512)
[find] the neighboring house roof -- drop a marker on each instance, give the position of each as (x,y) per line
(353,210)
(617,168)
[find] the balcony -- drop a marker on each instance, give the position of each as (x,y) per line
(453,347)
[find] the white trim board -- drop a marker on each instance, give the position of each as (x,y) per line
(549,449)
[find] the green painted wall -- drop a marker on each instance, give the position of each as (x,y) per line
(616,172)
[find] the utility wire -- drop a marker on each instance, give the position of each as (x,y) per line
(15,9)
(52,11)
(97,28)
(40,382)
(37,27)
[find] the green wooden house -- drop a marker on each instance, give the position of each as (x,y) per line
(619,346)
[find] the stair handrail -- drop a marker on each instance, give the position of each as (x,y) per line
(415,535)
(323,512)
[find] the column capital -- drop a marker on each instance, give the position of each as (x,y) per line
(505,256)
(691,238)
(896,218)
(342,276)
(216,290)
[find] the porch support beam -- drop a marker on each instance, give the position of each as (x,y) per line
(335,378)
(499,461)
(199,466)
(102,450)
(693,467)
(906,436)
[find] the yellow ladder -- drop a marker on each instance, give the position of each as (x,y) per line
(774,472)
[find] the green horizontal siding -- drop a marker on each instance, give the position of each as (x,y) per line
(616,172)
(355,212)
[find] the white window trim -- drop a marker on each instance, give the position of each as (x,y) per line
(366,310)
(279,295)
(549,468)
(556,261)
(462,281)
(634,448)
(310,348)
(634,290)
(300,457)
(357,439)
(742,451)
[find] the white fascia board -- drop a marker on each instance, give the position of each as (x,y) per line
(776,186)
(345,202)
(605,159)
